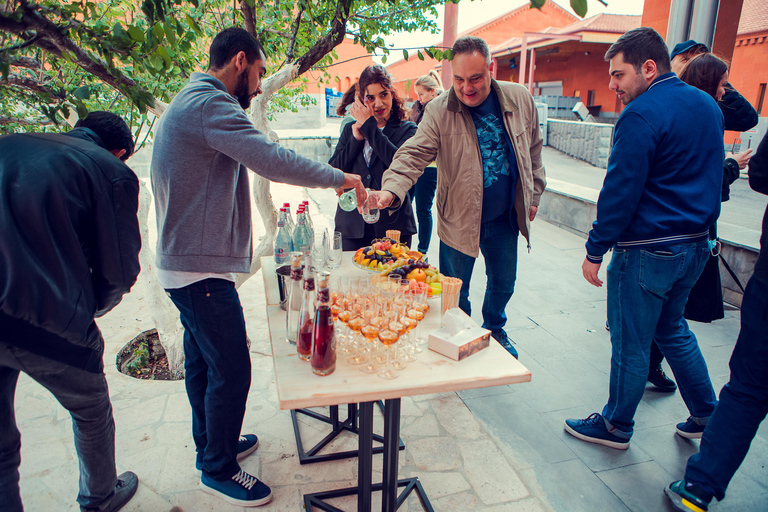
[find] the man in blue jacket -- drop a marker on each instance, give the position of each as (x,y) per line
(660,196)
(69,251)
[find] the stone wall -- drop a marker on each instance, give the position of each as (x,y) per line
(590,142)
(316,148)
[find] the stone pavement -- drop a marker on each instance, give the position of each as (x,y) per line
(497,449)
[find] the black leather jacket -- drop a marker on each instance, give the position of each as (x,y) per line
(69,236)
(738,114)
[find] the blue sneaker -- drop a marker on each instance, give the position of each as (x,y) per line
(242,489)
(245,446)
(688,497)
(595,429)
(691,429)
(503,339)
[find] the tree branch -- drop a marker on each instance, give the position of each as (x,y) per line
(53,40)
(292,42)
(26,122)
(249,13)
(32,85)
(332,39)
(24,62)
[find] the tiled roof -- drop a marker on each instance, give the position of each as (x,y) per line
(754,16)
(611,23)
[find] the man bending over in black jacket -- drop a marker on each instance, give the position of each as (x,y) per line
(69,245)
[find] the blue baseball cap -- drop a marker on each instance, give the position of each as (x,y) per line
(685,46)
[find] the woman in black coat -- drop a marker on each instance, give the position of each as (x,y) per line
(366,148)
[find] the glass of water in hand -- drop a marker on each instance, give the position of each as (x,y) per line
(370,211)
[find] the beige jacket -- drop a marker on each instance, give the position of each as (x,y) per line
(447,134)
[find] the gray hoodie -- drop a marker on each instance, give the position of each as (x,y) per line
(203,144)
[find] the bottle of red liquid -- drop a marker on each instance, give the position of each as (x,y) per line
(306,316)
(323,358)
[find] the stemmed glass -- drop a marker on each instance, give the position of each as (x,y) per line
(388,338)
(356,320)
(396,315)
(416,312)
(318,251)
(370,331)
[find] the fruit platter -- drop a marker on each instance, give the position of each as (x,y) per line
(387,256)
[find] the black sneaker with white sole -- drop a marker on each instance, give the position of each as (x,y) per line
(243,490)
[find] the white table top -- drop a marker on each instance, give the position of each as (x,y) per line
(298,387)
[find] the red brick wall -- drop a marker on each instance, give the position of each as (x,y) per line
(578,72)
(656,15)
(749,69)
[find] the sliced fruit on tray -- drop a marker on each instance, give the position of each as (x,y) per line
(389,257)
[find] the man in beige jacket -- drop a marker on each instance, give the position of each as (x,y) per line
(485,138)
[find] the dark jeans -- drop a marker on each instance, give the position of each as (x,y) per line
(743,401)
(217,368)
(498,243)
(647,292)
(86,396)
(424,196)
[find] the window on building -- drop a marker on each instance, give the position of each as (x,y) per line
(591,98)
(760,99)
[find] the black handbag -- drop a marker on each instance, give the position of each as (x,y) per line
(705,302)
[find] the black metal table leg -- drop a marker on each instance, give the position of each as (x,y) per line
(391,501)
(312,455)
(391,435)
(365,457)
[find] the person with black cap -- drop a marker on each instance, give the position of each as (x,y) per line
(739,115)
(69,251)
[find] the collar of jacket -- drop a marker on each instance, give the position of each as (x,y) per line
(506,104)
(205,77)
(86,134)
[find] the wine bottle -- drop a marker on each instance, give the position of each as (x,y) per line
(306,316)
(323,359)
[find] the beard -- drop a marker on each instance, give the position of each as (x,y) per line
(242,93)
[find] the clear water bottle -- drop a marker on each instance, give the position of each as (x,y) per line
(286,214)
(291,224)
(294,300)
(308,219)
(283,242)
(348,200)
(302,240)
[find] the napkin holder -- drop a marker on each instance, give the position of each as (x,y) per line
(459,337)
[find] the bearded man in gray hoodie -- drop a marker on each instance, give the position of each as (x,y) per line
(203,144)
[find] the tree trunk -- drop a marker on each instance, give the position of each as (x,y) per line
(164,313)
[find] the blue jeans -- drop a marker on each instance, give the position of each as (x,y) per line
(86,396)
(217,370)
(647,292)
(424,195)
(498,243)
(743,401)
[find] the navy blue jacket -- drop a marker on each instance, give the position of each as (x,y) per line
(665,171)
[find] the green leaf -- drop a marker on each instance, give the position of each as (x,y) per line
(158,31)
(448,54)
(5,68)
(162,52)
(420,55)
(170,32)
(429,51)
(383,59)
(82,93)
(82,110)
(538,4)
(405,54)
(579,7)
(136,34)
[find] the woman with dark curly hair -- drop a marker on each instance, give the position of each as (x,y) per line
(366,148)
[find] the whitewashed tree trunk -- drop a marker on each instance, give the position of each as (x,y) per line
(164,313)
(261,192)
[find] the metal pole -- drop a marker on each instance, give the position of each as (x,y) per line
(679,21)
(531,68)
(703,21)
